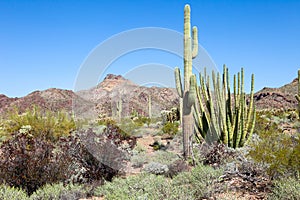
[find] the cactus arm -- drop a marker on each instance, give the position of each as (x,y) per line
(195,42)
(192,92)
(178,82)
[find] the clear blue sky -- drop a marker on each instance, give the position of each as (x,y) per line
(43,43)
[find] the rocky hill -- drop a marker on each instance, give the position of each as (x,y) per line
(52,99)
(115,90)
(104,99)
(101,99)
(277,98)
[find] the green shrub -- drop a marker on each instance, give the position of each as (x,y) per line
(59,191)
(140,121)
(139,160)
(46,124)
(142,186)
(128,127)
(197,184)
(286,189)
(170,128)
(164,157)
(279,152)
(11,193)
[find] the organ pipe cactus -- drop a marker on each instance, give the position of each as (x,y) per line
(187,92)
(298,95)
(221,115)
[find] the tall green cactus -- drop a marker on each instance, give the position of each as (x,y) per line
(298,95)
(217,117)
(188,92)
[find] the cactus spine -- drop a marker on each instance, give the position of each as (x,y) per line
(218,118)
(188,93)
(298,95)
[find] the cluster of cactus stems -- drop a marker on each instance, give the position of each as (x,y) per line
(298,95)
(213,114)
(188,91)
(221,115)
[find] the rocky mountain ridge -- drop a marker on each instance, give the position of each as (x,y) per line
(103,98)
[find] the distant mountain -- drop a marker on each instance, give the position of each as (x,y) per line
(277,98)
(115,89)
(52,99)
(103,99)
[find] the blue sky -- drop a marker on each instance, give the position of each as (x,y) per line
(44,43)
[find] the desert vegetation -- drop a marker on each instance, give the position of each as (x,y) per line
(217,146)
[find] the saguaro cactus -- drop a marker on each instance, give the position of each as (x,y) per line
(149,106)
(298,95)
(188,92)
(218,118)
(119,109)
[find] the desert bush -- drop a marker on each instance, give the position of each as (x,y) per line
(199,183)
(279,152)
(138,160)
(129,127)
(95,157)
(142,186)
(59,192)
(177,167)
(156,168)
(106,121)
(196,184)
(170,128)
(286,189)
(140,121)
(46,124)
(29,162)
(12,193)
(215,154)
(164,157)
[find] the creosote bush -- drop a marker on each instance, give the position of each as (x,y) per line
(38,123)
(286,189)
(279,152)
(29,162)
(197,184)
(59,192)
(170,128)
